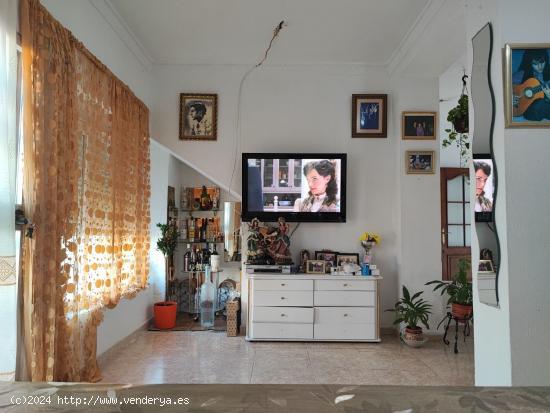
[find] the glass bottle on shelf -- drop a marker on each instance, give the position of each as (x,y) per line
(187,259)
(192,260)
(191,234)
(215,260)
(207,300)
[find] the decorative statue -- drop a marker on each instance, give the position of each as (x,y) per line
(255,243)
(278,243)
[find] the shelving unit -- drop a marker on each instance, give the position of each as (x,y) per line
(188,292)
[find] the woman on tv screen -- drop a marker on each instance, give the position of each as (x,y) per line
(322,195)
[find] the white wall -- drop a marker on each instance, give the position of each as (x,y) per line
(88,26)
(303,108)
(527,204)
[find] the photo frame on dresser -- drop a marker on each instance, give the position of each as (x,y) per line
(347,258)
(315,267)
(328,256)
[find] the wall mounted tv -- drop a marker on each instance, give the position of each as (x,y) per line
(300,187)
(485,188)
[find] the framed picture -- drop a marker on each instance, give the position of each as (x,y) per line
(328,256)
(198,116)
(485,267)
(526,82)
(315,267)
(202,198)
(345,258)
(369,116)
(420,162)
(418,125)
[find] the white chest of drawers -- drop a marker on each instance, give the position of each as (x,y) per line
(306,307)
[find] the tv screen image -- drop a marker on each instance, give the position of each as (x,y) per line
(298,187)
(483,168)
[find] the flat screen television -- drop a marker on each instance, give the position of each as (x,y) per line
(485,188)
(300,187)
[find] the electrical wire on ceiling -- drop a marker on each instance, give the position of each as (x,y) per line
(238,138)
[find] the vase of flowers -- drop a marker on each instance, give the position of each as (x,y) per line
(368,241)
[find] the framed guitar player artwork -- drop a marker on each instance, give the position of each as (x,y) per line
(527,85)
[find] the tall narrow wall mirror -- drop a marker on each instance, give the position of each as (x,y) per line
(232,228)
(485,171)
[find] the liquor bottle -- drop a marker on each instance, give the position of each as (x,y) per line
(215,260)
(187,259)
(205,201)
(197,229)
(192,260)
(183,228)
(191,234)
(199,263)
(206,255)
(204,229)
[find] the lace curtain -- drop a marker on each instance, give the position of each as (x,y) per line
(86,190)
(8,81)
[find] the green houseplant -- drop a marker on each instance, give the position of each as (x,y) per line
(459,290)
(165,312)
(458,135)
(413,311)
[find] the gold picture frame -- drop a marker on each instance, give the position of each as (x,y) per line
(198,116)
(369,116)
(420,162)
(520,112)
(419,125)
(315,266)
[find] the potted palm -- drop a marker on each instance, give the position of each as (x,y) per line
(459,291)
(412,311)
(165,312)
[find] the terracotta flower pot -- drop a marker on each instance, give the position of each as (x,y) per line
(414,337)
(165,314)
(461,311)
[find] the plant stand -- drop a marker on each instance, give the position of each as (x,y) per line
(450,317)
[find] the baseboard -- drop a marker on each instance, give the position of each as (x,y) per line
(123,342)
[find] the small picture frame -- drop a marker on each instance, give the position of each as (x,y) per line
(526,72)
(328,256)
(420,162)
(347,258)
(369,116)
(419,125)
(198,117)
(315,267)
(485,267)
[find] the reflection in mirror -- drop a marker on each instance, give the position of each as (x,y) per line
(231,229)
(485,174)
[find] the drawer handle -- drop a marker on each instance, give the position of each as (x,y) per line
(283,315)
(345,285)
(282,298)
(345,315)
(283,285)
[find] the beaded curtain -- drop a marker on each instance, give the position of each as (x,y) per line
(86,190)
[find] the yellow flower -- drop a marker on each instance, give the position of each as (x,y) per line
(370,236)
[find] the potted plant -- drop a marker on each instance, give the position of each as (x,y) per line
(458,135)
(459,291)
(165,311)
(412,311)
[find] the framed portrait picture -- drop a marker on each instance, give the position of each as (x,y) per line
(198,116)
(418,125)
(315,267)
(485,267)
(345,258)
(328,256)
(369,116)
(420,162)
(527,85)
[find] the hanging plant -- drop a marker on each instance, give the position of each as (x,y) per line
(458,135)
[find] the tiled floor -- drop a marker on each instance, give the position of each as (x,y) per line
(210,357)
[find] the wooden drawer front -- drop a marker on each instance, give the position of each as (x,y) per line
(283,285)
(282,315)
(364,331)
(339,285)
(345,315)
(282,298)
(282,331)
(344,298)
